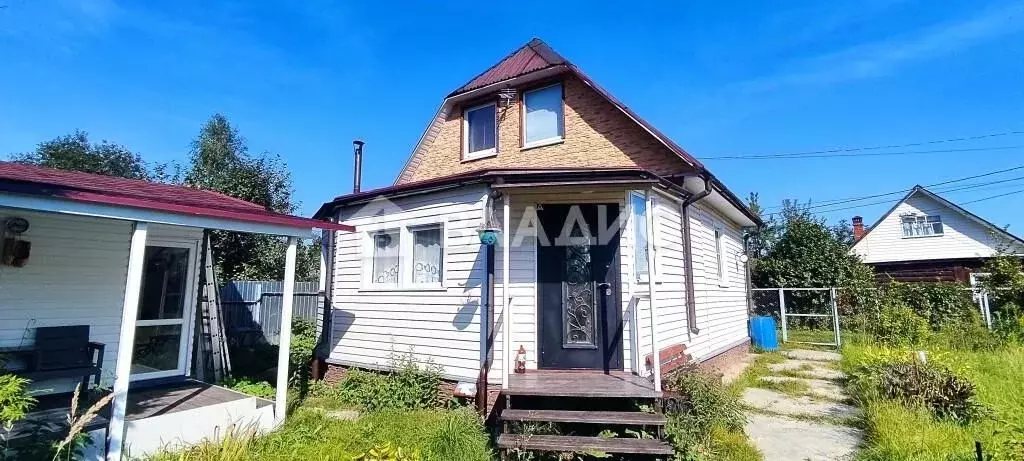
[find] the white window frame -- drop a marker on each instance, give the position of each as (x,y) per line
(405,258)
(370,248)
(922,221)
(561,114)
(720,255)
(476,155)
(188,310)
(406,248)
(652,264)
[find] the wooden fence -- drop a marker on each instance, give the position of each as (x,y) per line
(252,309)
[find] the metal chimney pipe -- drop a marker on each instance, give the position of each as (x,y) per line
(357,149)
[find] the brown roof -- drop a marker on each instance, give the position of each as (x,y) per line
(532,57)
(76,186)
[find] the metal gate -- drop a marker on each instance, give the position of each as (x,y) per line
(806,305)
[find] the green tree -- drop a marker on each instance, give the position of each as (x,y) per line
(806,252)
(220,161)
(76,153)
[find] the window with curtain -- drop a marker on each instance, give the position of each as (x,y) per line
(542,119)
(480,131)
(638,207)
(385,257)
(921,225)
(426,255)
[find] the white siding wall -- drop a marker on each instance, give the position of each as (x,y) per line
(369,327)
(962,236)
(721,308)
(74,276)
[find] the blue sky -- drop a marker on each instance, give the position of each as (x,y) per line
(302,79)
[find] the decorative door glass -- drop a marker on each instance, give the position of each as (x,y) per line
(579,303)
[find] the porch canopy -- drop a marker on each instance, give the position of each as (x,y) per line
(144,203)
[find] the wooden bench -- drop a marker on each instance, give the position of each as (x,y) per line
(61,352)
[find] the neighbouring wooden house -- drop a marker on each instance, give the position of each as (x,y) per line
(540,223)
(926,238)
(99,284)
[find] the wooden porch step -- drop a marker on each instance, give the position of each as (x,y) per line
(566,443)
(581,385)
(635,418)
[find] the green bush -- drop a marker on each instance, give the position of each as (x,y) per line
(933,387)
(15,400)
(898,325)
(301,353)
(261,389)
(410,386)
(706,406)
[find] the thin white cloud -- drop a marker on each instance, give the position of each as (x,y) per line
(881,58)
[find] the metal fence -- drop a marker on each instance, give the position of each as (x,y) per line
(815,315)
(252,309)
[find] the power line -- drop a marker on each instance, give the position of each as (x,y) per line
(858,154)
(925,211)
(903,191)
(869,148)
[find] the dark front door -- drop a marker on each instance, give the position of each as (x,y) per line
(578,276)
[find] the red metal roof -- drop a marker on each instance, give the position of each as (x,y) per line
(108,190)
(532,57)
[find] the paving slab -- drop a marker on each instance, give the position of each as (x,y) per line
(808,368)
(817,356)
(815,387)
(777,402)
(784,439)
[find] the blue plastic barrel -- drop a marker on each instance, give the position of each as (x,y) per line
(762,333)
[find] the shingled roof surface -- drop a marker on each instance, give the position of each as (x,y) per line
(532,57)
(108,190)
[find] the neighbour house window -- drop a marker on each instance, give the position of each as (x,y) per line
(921,225)
(542,116)
(638,207)
(410,257)
(385,257)
(480,132)
(426,255)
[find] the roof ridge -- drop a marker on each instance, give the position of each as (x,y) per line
(536,45)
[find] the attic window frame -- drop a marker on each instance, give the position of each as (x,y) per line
(485,153)
(561,116)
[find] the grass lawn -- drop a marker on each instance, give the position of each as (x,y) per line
(895,432)
(310,434)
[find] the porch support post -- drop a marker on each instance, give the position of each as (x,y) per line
(285,341)
(126,342)
(506,298)
(651,282)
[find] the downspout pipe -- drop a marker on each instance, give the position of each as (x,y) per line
(691,302)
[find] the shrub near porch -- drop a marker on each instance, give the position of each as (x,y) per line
(402,410)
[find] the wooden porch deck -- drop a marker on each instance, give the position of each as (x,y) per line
(142,403)
(587,384)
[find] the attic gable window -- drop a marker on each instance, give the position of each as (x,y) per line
(542,116)
(480,135)
(921,226)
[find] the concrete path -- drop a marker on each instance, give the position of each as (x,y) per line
(802,427)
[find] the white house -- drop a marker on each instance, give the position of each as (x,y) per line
(612,242)
(118,260)
(925,237)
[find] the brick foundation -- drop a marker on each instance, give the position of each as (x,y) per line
(727,358)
